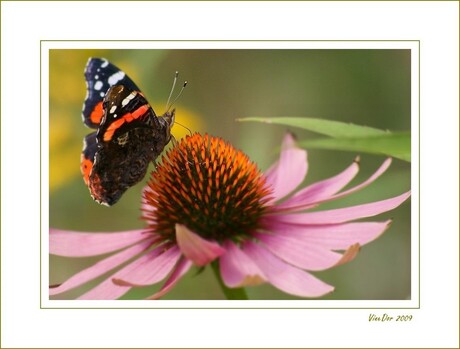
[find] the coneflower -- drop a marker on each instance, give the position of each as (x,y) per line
(207,203)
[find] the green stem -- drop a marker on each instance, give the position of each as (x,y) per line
(230,293)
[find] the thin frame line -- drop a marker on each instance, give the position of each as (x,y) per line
(230,308)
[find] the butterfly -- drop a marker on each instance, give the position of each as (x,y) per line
(129,135)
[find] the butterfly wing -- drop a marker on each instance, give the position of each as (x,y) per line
(124,109)
(129,135)
(100,75)
(87,156)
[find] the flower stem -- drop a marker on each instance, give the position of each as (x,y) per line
(230,293)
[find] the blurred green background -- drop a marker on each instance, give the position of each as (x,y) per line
(365,87)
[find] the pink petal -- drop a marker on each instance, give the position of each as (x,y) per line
(306,254)
(344,214)
(181,269)
(381,170)
(139,268)
(151,270)
(106,290)
(333,236)
(299,252)
(349,254)
(147,208)
(289,171)
(237,269)
(195,248)
(284,276)
(321,190)
(100,268)
(312,201)
(77,244)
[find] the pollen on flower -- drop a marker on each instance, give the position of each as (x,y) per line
(209,186)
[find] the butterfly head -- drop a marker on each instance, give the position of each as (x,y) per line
(169,118)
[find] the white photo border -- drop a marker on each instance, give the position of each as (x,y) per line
(27,25)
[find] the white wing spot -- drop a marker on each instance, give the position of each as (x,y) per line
(96,76)
(128,98)
(113,79)
(112,110)
(102,94)
(98,85)
(105,63)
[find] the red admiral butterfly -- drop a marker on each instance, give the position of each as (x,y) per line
(129,134)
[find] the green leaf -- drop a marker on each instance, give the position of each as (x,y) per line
(346,136)
(335,129)
(393,144)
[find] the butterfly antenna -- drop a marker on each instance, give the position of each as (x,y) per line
(174,141)
(172,90)
(177,97)
(178,123)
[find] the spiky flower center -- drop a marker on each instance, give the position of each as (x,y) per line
(209,186)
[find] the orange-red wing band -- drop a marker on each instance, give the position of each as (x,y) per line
(86,166)
(97,113)
(128,117)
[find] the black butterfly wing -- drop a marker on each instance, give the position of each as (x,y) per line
(124,109)
(130,136)
(87,156)
(100,75)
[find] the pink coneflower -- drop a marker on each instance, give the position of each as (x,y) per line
(208,203)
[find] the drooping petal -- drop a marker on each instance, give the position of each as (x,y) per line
(349,254)
(305,254)
(308,201)
(80,244)
(195,248)
(106,290)
(151,271)
(237,269)
(289,171)
(321,190)
(109,290)
(344,214)
(284,276)
(300,253)
(381,170)
(332,236)
(181,269)
(100,268)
